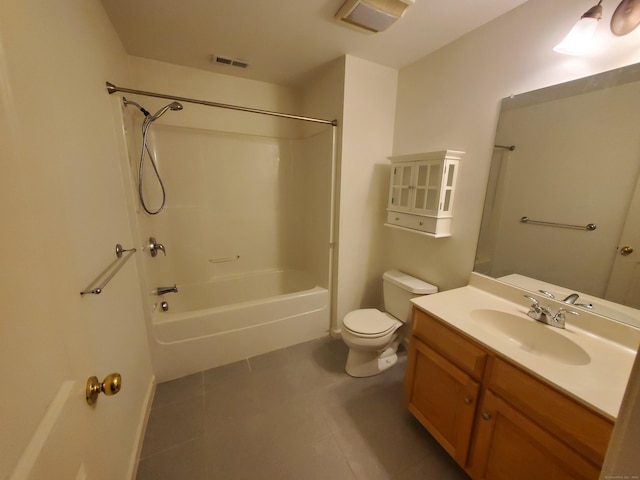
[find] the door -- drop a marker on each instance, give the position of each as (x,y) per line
(63,211)
(41,405)
(624,282)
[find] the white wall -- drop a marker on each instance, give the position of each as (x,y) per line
(154,76)
(367,126)
(323,97)
(63,213)
(451,98)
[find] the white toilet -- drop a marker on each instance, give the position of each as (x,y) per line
(373,336)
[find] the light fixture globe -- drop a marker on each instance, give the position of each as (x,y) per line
(579,38)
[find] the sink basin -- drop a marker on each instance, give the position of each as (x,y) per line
(532,337)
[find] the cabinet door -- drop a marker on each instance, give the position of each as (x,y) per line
(442,397)
(401,188)
(448,188)
(507,445)
(428,180)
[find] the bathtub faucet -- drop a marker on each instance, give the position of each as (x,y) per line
(163,290)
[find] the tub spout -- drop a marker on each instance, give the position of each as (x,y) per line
(164,290)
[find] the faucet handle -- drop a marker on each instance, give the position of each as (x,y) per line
(559,320)
(562,311)
(547,294)
(536,305)
(154,247)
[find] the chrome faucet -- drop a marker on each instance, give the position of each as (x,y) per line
(154,247)
(544,314)
(164,290)
(569,299)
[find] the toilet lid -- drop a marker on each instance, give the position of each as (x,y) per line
(369,321)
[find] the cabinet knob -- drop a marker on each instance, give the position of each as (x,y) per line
(468,400)
(486,415)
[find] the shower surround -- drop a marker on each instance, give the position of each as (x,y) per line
(246,229)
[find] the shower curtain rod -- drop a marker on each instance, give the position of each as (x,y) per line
(111,88)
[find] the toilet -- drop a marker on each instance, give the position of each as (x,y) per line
(373,336)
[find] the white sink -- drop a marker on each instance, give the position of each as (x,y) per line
(533,337)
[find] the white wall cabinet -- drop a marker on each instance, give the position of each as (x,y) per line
(421,192)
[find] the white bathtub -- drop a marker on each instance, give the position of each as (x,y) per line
(234,318)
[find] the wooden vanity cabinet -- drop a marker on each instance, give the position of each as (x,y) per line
(496,420)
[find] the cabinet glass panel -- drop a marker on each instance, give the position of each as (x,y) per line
(423,174)
(432,199)
(395,196)
(406,175)
(420,197)
(447,201)
(451,175)
(434,175)
(402,175)
(404,198)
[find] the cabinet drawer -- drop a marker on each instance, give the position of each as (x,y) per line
(582,429)
(460,351)
(415,222)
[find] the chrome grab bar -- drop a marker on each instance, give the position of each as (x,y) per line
(590,226)
(224,259)
(118,263)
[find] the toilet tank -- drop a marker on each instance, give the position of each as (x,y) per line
(399,288)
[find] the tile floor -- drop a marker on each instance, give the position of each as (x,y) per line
(289,414)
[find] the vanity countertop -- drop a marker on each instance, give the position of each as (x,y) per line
(610,346)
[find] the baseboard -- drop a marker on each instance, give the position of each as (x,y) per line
(142,428)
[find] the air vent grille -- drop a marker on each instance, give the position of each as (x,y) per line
(220,60)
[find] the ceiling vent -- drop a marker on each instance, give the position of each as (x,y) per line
(372,15)
(220,60)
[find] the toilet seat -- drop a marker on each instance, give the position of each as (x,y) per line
(370,323)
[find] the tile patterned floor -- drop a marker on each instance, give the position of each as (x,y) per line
(289,414)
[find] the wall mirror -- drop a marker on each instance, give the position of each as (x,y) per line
(562,210)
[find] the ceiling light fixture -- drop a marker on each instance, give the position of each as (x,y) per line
(372,15)
(624,20)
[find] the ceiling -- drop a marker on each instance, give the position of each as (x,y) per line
(285,41)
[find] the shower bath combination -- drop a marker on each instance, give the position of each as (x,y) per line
(262,282)
(146,125)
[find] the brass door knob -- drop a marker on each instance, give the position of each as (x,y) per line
(626,250)
(109,386)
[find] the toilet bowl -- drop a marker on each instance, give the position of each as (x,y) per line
(373,336)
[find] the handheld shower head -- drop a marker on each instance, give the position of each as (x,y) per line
(175,106)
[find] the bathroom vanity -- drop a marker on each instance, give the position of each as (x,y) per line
(509,397)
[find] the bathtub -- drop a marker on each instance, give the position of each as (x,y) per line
(234,318)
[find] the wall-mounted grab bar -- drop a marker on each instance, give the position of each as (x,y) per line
(111,270)
(590,226)
(224,259)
